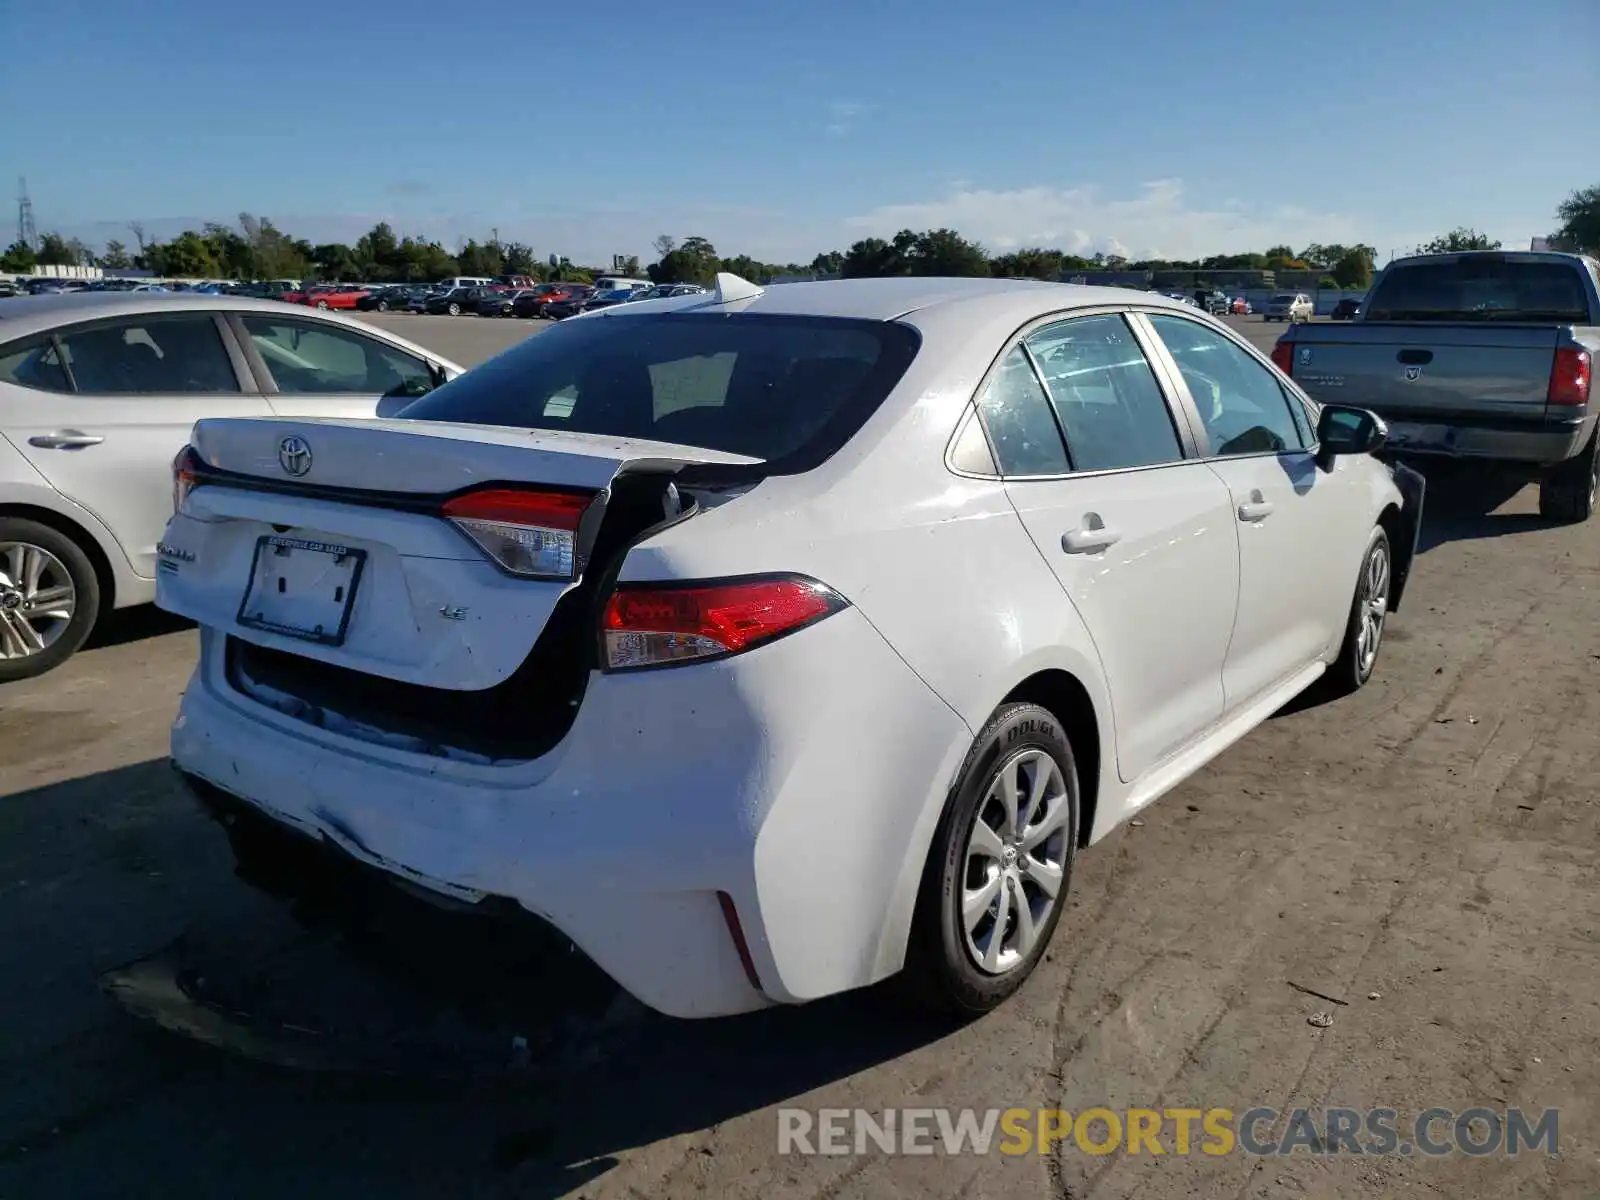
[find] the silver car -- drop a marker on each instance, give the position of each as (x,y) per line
(98,393)
(1294,307)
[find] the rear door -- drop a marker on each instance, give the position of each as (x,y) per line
(1301,530)
(312,368)
(106,406)
(1138,532)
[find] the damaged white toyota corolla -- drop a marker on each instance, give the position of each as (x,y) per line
(765,643)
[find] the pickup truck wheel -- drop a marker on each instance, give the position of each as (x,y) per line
(49,598)
(1369,611)
(999,868)
(1568,493)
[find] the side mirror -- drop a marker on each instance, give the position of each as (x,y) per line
(1343,429)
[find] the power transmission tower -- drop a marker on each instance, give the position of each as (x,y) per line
(26,233)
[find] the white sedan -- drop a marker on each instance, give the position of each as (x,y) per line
(99,392)
(766,644)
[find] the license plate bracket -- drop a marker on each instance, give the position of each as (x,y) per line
(301,588)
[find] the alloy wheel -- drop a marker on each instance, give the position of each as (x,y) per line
(37,599)
(1016,860)
(1374,607)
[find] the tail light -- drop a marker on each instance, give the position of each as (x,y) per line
(657,625)
(185,477)
(531,534)
(1570,377)
(1283,357)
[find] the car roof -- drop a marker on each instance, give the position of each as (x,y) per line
(886,299)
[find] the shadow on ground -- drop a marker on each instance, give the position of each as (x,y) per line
(129,865)
(125,625)
(1461,503)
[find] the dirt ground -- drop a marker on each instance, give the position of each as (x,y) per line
(1431,840)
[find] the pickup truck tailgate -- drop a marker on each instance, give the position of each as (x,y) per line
(1431,371)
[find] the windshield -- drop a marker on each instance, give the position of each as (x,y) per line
(768,387)
(1481,289)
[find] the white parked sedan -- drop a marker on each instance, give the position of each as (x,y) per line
(767,643)
(99,392)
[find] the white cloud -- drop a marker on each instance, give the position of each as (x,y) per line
(1156,222)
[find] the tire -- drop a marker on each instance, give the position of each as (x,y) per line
(1568,492)
(49,641)
(383,306)
(322,304)
(945,970)
(454,310)
(1353,668)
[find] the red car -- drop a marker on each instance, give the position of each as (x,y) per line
(337,295)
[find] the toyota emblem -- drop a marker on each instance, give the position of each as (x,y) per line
(294,455)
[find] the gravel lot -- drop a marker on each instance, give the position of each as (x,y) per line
(1432,840)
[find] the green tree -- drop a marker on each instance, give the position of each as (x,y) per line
(1460,239)
(828,263)
(518,259)
(334,261)
(19,259)
(115,257)
(1353,268)
(1580,220)
(1033,262)
(377,253)
(945,252)
(695,261)
(188,256)
(56,251)
(480,259)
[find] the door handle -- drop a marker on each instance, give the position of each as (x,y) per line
(1089,539)
(1255,510)
(67,439)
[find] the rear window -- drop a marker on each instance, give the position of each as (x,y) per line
(1283,299)
(1481,289)
(789,390)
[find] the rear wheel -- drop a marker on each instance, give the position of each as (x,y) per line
(1000,865)
(1568,493)
(49,598)
(383,306)
(454,310)
(1369,613)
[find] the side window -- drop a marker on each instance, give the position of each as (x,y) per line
(310,358)
(971,450)
(1017,413)
(34,364)
(1241,405)
(1301,415)
(1105,395)
(177,354)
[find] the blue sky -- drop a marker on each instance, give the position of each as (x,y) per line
(778,129)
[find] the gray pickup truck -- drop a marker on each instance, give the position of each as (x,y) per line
(1483,356)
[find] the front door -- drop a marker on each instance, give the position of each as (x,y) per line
(1299,537)
(1140,538)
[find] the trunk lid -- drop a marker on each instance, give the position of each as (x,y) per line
(1429,371)
(350,562)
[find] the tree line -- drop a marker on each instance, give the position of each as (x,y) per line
(256,249)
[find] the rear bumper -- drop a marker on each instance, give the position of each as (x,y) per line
(1532,445)
(802,781)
